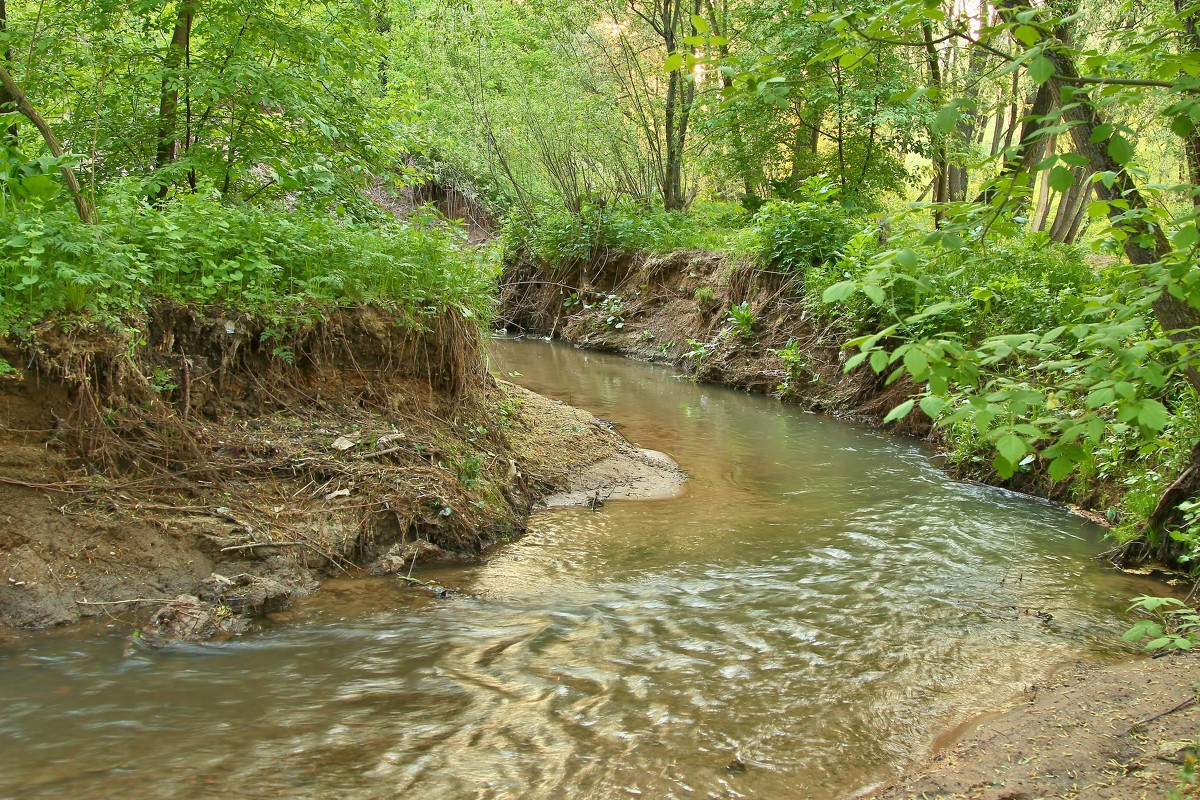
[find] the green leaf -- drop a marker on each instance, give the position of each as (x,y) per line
(1011,447)
(932,406)
(1061,467)
(1120,149)
(1182,125)
(700,23)
(906,258)
(1026,35)
(874,292)
(1061,179)
(1186,237)
(1153,415)
(673,62)
(916,363)
(839,291)
(1041,69)
(879,361)
(1102,132)
(1141,629)
(946,119)
(899,412)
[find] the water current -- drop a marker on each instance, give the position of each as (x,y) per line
(802,622)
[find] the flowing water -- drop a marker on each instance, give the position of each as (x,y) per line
(819,604)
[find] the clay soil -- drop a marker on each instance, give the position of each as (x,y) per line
(199,479)
(1117,732)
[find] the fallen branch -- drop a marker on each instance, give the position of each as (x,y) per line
(1191,701)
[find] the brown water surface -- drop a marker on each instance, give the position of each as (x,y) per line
(819,604)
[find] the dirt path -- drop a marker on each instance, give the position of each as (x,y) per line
(1115,732)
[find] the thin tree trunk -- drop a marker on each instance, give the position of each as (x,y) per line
(1012,112)
(1018,168)
(1042,209)
(1072,234)
(168,104)
(24,106)
(997,133)
(1191,143)
(941,168)
(8,103)
(1070,207)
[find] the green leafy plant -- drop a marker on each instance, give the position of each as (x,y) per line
(1173,625)
(613,309)
(741,319)
(795,365)
(697,352)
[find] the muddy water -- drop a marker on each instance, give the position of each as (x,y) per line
(804,620)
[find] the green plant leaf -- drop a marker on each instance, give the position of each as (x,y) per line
(839,291)
(1061,179)
(900,411)
(906,258)
(1060,468)
(932,405)
(1041,69)
(1120,149)
(1011,447)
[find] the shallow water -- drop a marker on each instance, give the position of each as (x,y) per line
(819,604)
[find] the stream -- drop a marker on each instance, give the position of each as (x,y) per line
(804,621)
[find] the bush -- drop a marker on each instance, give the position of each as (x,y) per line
(560,239)
(195,250)
(800,236)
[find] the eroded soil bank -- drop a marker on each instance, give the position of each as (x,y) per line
(205,471)
(675,309)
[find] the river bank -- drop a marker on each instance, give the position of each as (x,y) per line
(1094,733)
(679,309)
(201,473)
(1076,735)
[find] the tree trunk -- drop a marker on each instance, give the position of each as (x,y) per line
(56,150)
(1077,225)
(1042,209)
(8,103)
(941,167)
(1070,207)
(1017,171)
(168,103)
(1191,143)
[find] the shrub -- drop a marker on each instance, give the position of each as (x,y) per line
(800,236)
(195,250)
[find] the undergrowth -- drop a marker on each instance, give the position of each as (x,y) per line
(275,263)
(559,239)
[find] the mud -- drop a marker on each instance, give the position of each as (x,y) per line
(203,481)
(1100,732)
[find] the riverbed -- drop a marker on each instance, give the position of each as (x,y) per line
(819,604)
